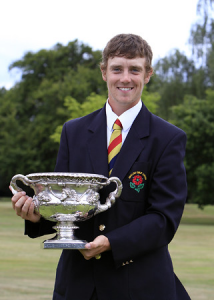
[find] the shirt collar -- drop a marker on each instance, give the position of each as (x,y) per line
(127,118)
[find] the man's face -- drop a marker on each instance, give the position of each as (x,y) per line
(125,81)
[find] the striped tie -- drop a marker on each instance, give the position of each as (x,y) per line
(114,144)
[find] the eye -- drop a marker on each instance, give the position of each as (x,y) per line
(135,70)
(116,69)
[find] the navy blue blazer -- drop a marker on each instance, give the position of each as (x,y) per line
(140,224)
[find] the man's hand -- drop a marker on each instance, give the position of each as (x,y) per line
(24,207)
(99,245)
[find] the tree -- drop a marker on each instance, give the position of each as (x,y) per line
(177,75)
(202,41)
(76,110)
(31,110)
(196,118)
(201,35)
(174,77)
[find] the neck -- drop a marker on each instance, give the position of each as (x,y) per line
(121,108)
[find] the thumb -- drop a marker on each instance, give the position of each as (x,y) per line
(88,246)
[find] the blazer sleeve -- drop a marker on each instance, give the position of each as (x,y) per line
(166,200)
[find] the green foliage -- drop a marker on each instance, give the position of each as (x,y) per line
(176,76)
(196,118)
(201,40)
(201,35)
(181,82)
(76,110)
(31,111)
(151,100)
(55,63)
(210,63)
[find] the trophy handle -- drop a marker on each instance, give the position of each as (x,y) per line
(24,179)
(110,200)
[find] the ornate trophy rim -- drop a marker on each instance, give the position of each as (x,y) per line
(69,175)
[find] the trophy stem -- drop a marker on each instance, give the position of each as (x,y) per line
(65,238)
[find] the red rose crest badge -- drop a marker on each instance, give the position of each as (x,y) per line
(137,181)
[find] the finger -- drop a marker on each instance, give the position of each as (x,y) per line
(93,246)
(26,206)
(31,208)
(18,205)
(101,244)
(87,254)
(28,212)
(88,246)
(17,196)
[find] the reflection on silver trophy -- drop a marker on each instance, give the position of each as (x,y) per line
(66,198)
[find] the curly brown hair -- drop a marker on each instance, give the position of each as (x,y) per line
(129,46)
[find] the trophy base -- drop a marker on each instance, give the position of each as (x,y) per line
(64,244)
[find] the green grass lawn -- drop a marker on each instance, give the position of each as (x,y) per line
(192,251)
(28,272)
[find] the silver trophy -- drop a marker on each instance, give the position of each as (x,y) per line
(65,198)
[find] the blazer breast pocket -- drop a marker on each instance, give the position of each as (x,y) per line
(135,184)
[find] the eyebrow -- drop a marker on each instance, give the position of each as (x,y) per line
(115,66)
(131,67)
(137,67)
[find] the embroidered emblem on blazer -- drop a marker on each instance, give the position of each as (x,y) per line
(137,180)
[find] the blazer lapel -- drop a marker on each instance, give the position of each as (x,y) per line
(131,149)
(133,145)
(97,144)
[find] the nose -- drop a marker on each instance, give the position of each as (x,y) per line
(125,78)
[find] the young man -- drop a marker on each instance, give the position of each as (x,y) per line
(128,256)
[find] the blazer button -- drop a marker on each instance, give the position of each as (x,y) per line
(102,227)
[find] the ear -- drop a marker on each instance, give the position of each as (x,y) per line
(148,76)
(103,74)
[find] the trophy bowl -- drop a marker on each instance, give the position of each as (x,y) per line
(65,198)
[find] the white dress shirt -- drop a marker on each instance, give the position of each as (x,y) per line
(126,119)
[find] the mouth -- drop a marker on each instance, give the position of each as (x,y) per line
(125,89)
